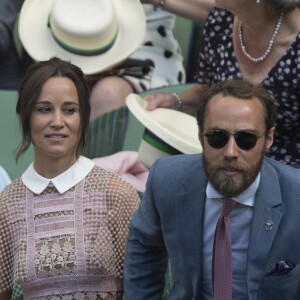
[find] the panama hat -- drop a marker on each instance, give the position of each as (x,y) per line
(93,34)
(167,131)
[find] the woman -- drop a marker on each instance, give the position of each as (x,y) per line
(64,222)
(258,41)
(159,47)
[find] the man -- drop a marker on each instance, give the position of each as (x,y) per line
(183,200)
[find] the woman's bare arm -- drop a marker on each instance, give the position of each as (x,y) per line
(195,10)
(189,98)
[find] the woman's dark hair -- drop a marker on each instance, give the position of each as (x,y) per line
(32,83)
(240,89)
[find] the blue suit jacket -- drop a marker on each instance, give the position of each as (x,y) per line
(169,223)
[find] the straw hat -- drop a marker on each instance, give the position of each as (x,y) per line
(93,34)
(167,131)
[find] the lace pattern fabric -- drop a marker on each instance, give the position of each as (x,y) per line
(86,296)
(55,257)
(67,246)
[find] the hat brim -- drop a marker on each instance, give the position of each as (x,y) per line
(39,43)
(175,128)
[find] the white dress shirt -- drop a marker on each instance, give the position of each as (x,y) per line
(241,218)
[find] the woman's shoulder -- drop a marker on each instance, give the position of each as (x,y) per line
(103,180)
(99,173)
(219,22)
(296,43)
(13,193)
(115,189)
(15,187)
(219,16)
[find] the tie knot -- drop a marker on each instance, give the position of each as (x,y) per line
(228,205)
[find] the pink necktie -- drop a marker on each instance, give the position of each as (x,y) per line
(221,265)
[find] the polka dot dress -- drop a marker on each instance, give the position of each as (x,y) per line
(162,49)
(218,62)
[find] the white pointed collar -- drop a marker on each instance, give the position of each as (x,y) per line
(63,182)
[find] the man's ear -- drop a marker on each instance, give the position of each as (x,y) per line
(201,137)
(270,138)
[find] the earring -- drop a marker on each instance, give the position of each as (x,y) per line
(257,1)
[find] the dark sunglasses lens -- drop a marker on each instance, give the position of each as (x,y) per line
(245,140)
(217,139)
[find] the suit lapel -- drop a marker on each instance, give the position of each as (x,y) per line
(189,214)
(265,223)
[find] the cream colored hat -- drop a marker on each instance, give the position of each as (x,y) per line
(167,131)
(93,34)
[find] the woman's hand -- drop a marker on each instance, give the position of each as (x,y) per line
(189,99)
(160,100)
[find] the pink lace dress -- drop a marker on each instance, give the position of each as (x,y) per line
(66,246)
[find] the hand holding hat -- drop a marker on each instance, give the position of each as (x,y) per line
(167,131)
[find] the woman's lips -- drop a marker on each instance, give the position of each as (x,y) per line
(56,136)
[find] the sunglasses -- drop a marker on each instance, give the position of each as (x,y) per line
(244,139)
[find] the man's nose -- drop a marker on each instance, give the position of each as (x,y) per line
(231,149)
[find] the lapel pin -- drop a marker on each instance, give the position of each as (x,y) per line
(269,225)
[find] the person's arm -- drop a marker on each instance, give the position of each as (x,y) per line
(195,10)
(146,256)
(189,99)
(8,16)
(6,252)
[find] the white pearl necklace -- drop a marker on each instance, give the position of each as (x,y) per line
(271,42)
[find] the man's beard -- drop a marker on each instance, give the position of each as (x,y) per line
(231,186)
